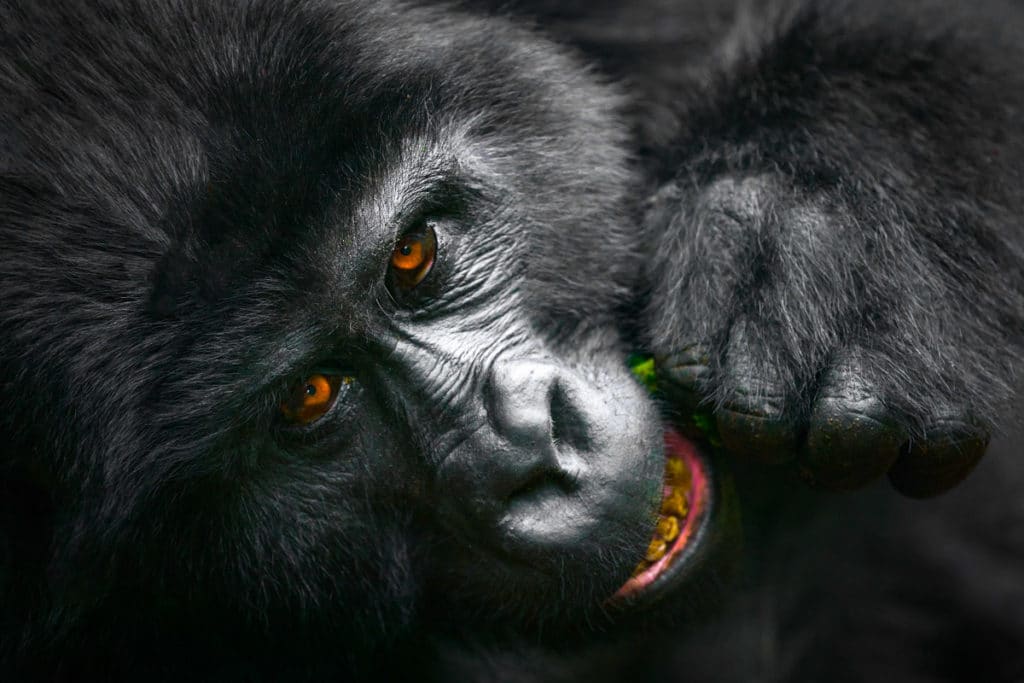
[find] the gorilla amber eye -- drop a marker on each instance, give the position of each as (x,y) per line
(312,398)
(413,257)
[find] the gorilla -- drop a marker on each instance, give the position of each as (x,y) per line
(524,340)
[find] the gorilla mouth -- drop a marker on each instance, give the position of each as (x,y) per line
(684,503)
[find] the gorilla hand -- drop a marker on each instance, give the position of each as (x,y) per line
(815,336)
(839,271)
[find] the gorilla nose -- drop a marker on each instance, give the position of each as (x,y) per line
(532,405)
(523,469)
(531,409)
(561,459)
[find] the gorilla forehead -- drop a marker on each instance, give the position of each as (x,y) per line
(223,86)
(242,146)
(237,126)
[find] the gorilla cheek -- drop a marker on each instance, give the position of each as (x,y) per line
(565,466)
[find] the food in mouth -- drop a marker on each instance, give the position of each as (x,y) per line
(684,501)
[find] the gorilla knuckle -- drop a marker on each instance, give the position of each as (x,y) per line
(849,444)
(940,459)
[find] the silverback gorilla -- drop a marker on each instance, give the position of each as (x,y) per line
(348,339)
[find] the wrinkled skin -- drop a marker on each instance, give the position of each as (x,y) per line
(809,216)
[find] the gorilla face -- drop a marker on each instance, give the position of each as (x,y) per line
(333,339)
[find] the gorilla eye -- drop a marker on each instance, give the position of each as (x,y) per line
(413,257)
(311,398)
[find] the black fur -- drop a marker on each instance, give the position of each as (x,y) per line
(816,205)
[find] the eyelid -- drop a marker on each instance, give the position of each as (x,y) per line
(298,413)
(413,257)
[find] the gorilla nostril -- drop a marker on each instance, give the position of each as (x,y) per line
(568,425)
(544,482)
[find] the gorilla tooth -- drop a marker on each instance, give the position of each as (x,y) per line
(675,504)
(677,473)
(668,527)
(656,550)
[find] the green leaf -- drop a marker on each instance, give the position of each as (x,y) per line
(642,366)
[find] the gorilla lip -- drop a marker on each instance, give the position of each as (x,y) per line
(683,505)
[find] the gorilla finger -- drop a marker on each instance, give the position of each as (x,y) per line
(682,377)
(945,456)
(852,439)
(752,422)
